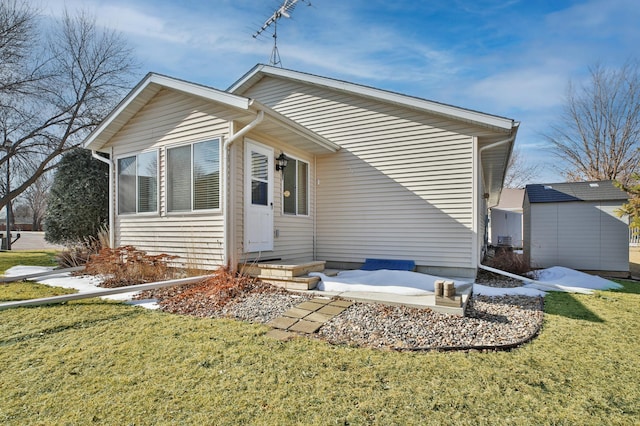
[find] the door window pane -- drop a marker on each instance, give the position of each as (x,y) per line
(259,194)
(259,179)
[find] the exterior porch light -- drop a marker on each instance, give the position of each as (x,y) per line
(281,162)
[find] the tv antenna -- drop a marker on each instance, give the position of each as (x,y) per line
(285,10)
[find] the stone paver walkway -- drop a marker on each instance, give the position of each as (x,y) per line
(307,317)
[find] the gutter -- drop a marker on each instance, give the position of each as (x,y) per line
(229,254)
(108,161)
(510,139)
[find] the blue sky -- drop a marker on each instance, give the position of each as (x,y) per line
(511,58)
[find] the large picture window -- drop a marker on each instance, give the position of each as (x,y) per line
(138,183)
(193,177)
(296,188)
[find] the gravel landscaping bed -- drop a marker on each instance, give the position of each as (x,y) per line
(490,322)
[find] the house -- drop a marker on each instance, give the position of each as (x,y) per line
(506,219)
(370,173)
(575,225)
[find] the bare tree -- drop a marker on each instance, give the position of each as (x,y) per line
(84,73)
(599,132)
(34,199)
(17,25)
(519,171)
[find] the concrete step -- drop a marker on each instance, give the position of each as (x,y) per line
(281,269)
(303,282)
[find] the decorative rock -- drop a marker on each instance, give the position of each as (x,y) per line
(489,321)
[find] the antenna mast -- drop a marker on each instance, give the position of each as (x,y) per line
(284,10)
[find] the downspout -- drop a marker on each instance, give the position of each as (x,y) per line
(229,255)
(95,155)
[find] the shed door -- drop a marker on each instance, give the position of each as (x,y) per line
(258,229)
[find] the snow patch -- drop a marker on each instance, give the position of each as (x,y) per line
(408,283)
(571,280)
(81,283)
(382,281)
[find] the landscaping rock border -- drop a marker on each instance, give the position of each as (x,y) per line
(491,323)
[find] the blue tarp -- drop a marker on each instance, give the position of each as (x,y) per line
(391,264)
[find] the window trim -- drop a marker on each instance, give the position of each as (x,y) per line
(192,211)
(156,212)
(308,200)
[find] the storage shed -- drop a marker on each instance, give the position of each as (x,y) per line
(575,225)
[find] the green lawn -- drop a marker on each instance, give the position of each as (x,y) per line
(106,363)
(26,257)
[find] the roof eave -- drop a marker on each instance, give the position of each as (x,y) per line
(487,120)
(150,85)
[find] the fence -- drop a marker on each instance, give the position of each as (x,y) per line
(634,237)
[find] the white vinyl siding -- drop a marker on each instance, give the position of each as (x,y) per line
(171,119)
(294,234)
(402,186)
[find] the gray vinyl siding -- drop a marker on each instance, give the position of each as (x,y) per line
(614,238)
(295,233)
(402,186)
(172,118)
(578,235)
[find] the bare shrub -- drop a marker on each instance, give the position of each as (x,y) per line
(126,265)
(209,294)
(510,262)
(78,253)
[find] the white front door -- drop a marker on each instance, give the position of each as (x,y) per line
(258,218)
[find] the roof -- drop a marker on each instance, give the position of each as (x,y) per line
(152,83)
(480,118)
(575,191)
(511,199)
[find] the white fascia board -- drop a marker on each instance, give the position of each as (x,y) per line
(397,98)
(209,93)
(154,82)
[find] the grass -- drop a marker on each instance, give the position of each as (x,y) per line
(27,257)
(98,362)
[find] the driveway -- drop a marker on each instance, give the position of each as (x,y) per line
(31,240)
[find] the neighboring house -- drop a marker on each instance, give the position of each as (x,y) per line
(575,225)
(506,219)
(370,173)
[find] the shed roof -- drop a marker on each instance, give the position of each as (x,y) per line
(575,191)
